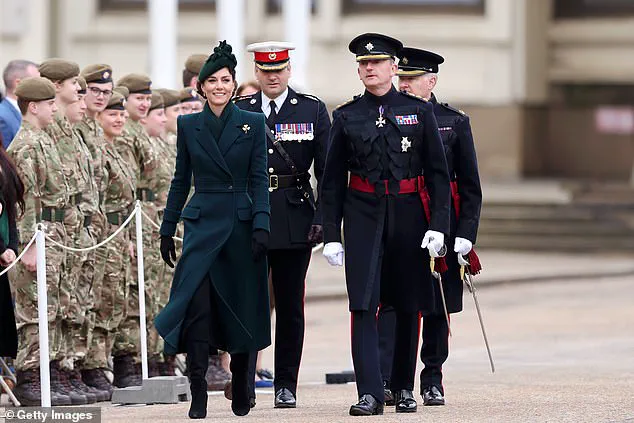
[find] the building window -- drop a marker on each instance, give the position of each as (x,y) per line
(414,6)
(588,9)
(275,6)
(142,4)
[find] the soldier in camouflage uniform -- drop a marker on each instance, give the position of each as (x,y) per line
(99,87)
(74,287)
(46,200)
(117,204)
(139,152)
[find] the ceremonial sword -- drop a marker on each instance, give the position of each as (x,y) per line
(466,277)
(438,277)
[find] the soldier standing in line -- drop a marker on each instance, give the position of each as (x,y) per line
(193,65)
(118,203)
(46,200)
(84,199)
(137,149)
(386,140)
(189,100)
(418,75)
(298,126)
(98,92)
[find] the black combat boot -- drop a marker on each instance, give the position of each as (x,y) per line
(96,379)
(125,373)
(61,385)
(197,361)
(74,378)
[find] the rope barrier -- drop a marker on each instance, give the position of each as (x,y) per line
(156,225)
(24,250)
(102,243)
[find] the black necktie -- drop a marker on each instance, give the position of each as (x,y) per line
(270,121)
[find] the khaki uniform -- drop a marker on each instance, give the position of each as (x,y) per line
(76,297)
(46,199)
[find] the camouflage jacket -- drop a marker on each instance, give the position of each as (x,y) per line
(136,148)
(163,175)
(40,168)
(92,135)
(120,179)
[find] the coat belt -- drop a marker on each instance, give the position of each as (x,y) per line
(208,186)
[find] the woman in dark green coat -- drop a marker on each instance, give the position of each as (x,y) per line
(219,296)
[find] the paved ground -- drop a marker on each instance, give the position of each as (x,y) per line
(564,352)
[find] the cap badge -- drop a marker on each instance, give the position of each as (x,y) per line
(293,101)
(193,93)
(106,74)
(369,46)
(405,144)
(272,56)
(246,128)
(253,101)
(405,61)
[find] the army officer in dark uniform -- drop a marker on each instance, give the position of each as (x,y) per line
(298,136)
(387,140)
(418,74)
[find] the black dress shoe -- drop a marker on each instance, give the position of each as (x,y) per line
(433,396)
(405,402)
(387,393)
(367,406)
(284,398)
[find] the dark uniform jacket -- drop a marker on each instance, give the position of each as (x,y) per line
(455,131)
(383,233)
(302,126)
(229,202)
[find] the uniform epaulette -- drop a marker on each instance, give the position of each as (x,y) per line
(414,96)
(453,109)
(242,97)
(312,97)
(352,100)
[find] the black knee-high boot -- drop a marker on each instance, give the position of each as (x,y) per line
(240,403)
(197,361)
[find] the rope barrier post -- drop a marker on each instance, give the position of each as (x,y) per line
(42,315)
(141,278)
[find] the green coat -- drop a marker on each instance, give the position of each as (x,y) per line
(230,201)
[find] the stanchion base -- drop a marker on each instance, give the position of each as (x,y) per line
(339,378)
(155,390)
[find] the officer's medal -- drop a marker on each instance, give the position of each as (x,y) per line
(381,121)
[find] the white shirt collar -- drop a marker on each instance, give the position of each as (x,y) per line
(13,102)
(266,107)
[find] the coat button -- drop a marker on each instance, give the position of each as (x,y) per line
(270,151)
(230,187)
(271,170)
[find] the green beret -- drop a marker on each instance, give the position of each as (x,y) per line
(116,102)
(220,58)
(136,83)
(157,101)
(124,91)
(35,89)
(170,97)
(195,62)
(82,85)
(58,69)
(98,73)
(188,94)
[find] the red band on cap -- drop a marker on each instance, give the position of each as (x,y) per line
(271,57)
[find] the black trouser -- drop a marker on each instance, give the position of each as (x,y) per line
(433,353)
(197,325)
(288,274)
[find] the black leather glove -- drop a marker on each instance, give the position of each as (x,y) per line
(259,244)
(168,250)
(315,235)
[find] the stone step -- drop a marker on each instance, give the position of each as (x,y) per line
(556,242)
(555,228)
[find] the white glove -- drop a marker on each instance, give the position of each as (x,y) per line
(333,251)
(462,246)
(433,241)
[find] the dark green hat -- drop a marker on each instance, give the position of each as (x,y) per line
(220,58)
(372,46)
(136,83)
(116,102)
(58,69)
(82,85)
(188,94)
(157,101)
(35,89)
(97,73)
(170,97)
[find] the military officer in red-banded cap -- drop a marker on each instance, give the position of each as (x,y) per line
(298,136)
